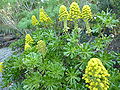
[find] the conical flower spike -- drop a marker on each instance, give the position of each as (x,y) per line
(96,75)
(28,39)
(44,18)
(74,12)
(86,12)
(86,16)
(63,13)
(34,20)
(63,16)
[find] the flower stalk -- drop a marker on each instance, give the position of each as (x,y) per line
(63,16)
(86,16)
(74,14)
(88,27)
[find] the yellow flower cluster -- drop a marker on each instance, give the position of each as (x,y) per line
(44,18)
(96,75)
(28,40)
(41,46)
(27,46)
(74,12)
(34,20)
(86,12)
(63,13)
(1,66)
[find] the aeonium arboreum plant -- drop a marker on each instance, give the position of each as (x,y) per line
(64,61)
(63,16)
(74,14)
(86,16)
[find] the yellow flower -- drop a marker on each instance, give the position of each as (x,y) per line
(27,46)
(63,16)
(74,12)
(28,39)
(95,75)
(1,66)
(44,18)
(107,75)
(91,83)
(41,46)
(95,88)
(63,13)
(34,20)
(101,84)
(98,80)
(86,12)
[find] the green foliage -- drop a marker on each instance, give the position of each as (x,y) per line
(72,78)
(16,86)
(31,60)
(103,21)
(4,3)
(25,19)
(62,66)
(18,44)
(114,79)
(67,55)
(32,81)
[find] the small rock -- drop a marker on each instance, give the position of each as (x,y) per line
(8,37)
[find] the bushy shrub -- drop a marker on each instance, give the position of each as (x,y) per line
(57,61)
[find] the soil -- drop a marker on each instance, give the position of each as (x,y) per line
(115,44)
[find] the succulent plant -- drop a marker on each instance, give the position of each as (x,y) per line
(74,14)
(86,16)
(63,16)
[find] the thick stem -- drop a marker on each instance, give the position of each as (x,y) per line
(88,27)
(65,23)
(65,26)
(76,24)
